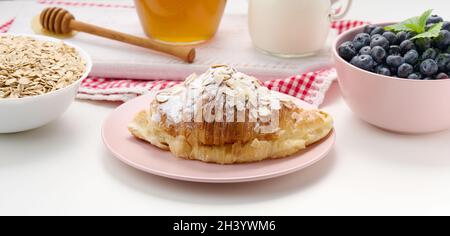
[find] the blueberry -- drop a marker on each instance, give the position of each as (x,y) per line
(429,67)
(401,36)
(443,41)
(365,50)
(411,57)
(383,70)
(448,68)
(369,28)
(364,62)
(446,26)
(414,76)
(441,76)
(394,61)
(374,36)
(422,44)
(410,35)
(394,50)
(430,53)
(361,40)
(391,37)
(428,78)
(377,30)
(434,19)
(378,54)
(380,41)
(443,60)
(347,50)
(393,70)
(406,46)
(405,70)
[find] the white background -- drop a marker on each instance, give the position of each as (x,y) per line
(64,168)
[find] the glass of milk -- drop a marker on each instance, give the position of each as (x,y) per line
(292,28)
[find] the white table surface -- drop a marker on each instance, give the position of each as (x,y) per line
(64,168)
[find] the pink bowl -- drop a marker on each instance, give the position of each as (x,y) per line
(399,105)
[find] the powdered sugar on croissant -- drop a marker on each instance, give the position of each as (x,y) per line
(220,95)
(224,116)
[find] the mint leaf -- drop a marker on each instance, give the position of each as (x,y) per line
(424,18)
(410,25)
(415,28)
(397,27)
(418,25)
(433,32)
(415,24)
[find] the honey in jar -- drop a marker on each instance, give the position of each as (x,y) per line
(180,21)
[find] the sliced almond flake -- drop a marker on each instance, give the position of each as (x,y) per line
(162,98)
(218,66)
(218,79)
(230,84)
(208,81)
(226,77)
(190,79)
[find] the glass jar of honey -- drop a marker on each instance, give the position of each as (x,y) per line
(180,21)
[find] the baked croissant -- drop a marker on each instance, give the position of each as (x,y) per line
(226,117)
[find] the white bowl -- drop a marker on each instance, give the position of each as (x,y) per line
(22,114)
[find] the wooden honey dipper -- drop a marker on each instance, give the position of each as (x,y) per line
(60,21)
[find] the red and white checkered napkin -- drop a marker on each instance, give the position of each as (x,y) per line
(310,87)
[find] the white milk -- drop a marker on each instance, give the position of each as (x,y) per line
(290,28)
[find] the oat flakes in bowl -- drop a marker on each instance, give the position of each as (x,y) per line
(39,79)
(31,67)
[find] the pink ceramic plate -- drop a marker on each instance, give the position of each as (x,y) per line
(148,158)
